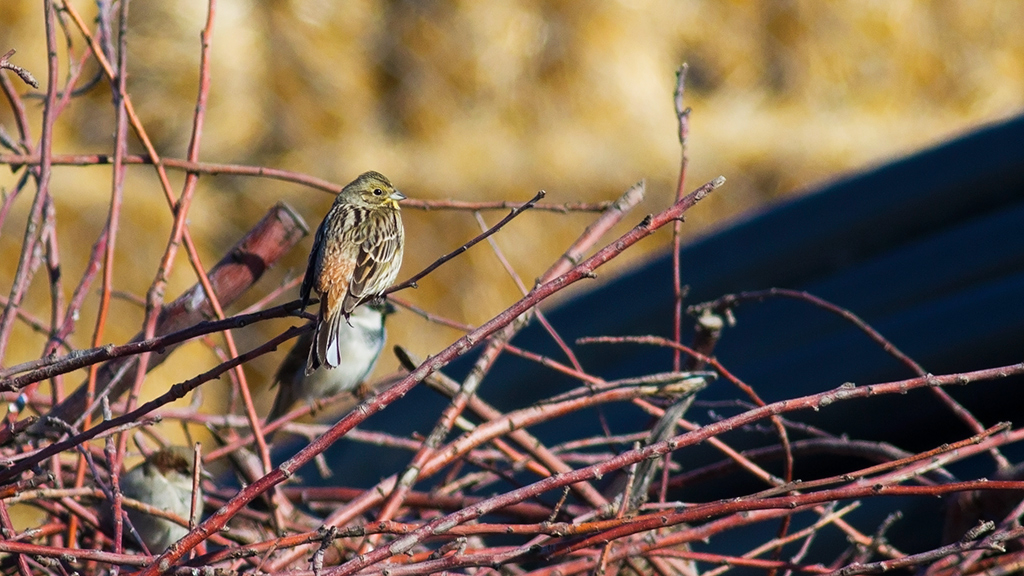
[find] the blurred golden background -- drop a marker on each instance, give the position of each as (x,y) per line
(487,101)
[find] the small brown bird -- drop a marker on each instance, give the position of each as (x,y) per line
(164,481)
(356,256)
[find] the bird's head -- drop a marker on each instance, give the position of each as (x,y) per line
(173,462)
(372,189)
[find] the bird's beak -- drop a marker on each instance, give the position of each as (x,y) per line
(396,196)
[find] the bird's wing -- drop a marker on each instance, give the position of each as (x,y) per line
(376,266)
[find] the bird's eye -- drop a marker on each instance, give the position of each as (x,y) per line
(377,191)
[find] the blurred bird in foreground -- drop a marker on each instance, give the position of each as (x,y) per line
(164,481)
(359,344)
(356,256)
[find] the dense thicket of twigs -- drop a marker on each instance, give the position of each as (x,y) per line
(500,499)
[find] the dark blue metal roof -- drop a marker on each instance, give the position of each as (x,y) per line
(928,249)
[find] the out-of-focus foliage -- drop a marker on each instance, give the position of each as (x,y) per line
(495,100)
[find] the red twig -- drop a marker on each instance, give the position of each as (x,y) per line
(683,119)
(411,282)
(429,316)
(969,542)
(80,553)
(528,442)
(52,259)
(111,228)
(180,233)
(31,321)
(181,208)
(8,531)
(699,512)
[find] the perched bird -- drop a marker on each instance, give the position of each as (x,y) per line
(359,345)
(164,481)
(356,256)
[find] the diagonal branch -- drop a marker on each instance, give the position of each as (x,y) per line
(411,282)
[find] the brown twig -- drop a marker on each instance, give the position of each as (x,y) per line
(179,207)
(25,75)
(38,370)
(807,533)
(411,282)
(20,118)
(432,532)
(969,542)
(683,120)
(214,169)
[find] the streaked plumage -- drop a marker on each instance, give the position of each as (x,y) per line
(163,480)
(356,256)
(360,344)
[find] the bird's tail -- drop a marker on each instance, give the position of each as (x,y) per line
(282,402)
(327,339)
(319,338)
